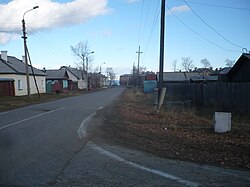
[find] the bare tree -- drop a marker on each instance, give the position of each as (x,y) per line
(96,69)
(110,74)
(174,64)
(187,63)
(81,51)
(205,63)
(229,63)
(141,69)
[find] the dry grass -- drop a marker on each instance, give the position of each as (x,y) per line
(178,132)
(8,103)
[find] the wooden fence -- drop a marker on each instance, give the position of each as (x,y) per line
(231,96)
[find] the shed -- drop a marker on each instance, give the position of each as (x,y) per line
(240,71)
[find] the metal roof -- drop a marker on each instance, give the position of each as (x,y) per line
(174,76)
(56,74)
(74,71)
(16,66)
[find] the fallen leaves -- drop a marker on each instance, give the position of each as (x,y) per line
(178,133)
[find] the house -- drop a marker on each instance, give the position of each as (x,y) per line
(58,81)
(77,76)
(13,71)
(97,80)
(126,79)
(150,77)
(221,73)
(240,71)
(104,81)
(204,71)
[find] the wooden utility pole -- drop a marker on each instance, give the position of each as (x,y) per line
(161,90)
(26,59)
(162,30)
(25,51)
(138,66)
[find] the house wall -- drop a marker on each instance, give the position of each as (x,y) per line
(20,84)
(72,77)
(41,83)
(82,84)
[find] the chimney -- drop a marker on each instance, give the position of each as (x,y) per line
(4,55)
(23,59)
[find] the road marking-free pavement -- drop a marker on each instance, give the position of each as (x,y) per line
(39,115)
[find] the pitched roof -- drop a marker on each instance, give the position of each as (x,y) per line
(56,74)
(225,70)
(16,66)
(186,77)
(174,76)
(74,71)
(244,58)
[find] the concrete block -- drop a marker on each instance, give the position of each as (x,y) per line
(222,122)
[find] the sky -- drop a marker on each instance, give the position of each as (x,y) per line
(114,30)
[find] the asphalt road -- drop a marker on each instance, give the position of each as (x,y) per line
(48,145)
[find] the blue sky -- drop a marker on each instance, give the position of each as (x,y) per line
(114,29)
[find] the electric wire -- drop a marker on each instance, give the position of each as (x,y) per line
(140,25)
(200,34)
(224,38)
(155,20)
(46,43)
(218,6)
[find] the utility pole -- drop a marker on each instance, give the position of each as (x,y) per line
(162,30)
(25,51)
(26,59)
(138,66)
(161,90)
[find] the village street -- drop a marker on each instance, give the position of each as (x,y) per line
(48,145)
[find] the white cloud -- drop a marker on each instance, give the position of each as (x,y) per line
(178,9)
(50,14)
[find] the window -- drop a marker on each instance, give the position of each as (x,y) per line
(19,85)
(42,83)
(65,84)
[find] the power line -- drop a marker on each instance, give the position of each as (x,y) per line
(200,34)
(139,35)
(211,26)
(218,6)
(46,43)
(156,17)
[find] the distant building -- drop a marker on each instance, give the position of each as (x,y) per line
(126,79)
(58,81)
(77,76)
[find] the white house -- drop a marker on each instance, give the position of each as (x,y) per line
(13,68)
(77,76)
